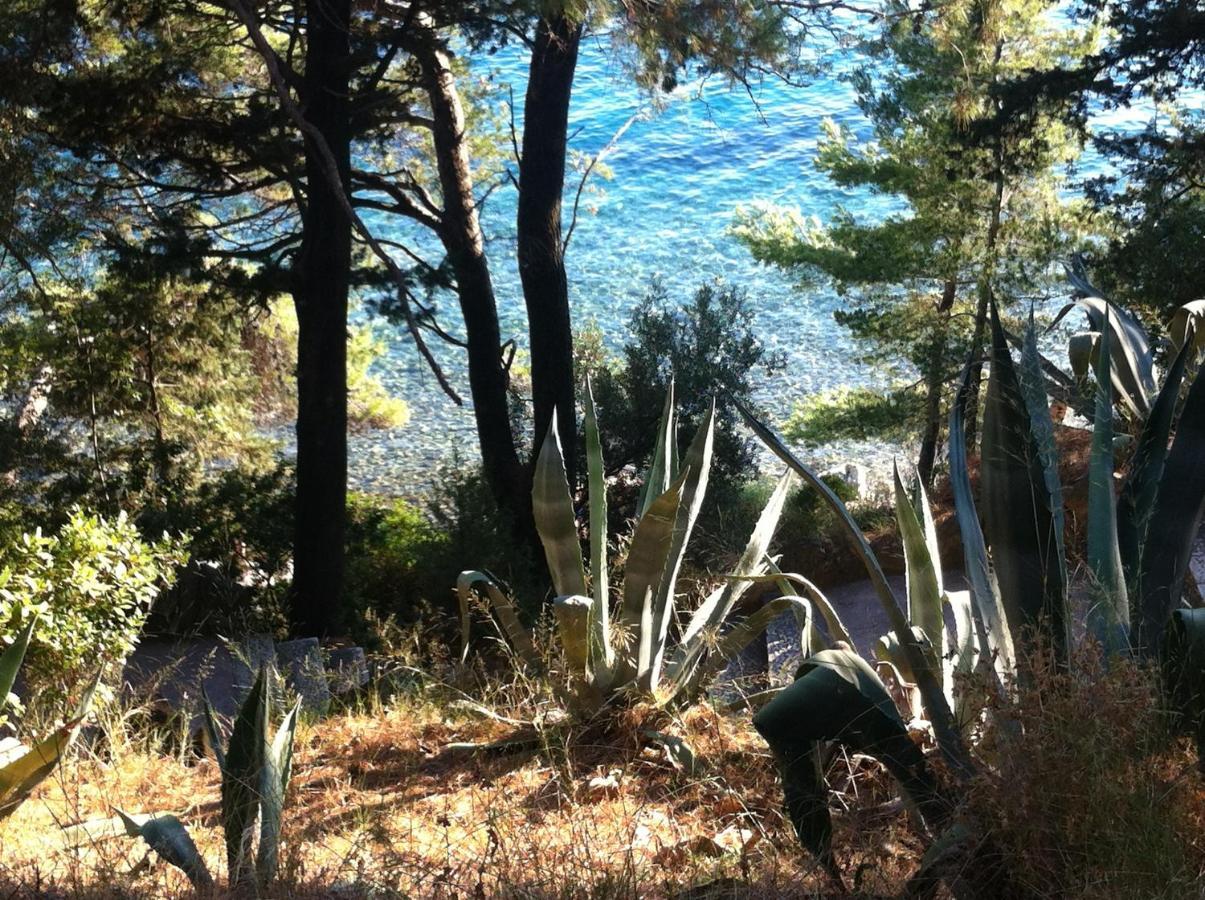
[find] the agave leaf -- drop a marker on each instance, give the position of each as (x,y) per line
(1136,504)
(1133,364)
(243,779)
(740,635)
(924,584)
(213,731)
(600,620)
(838,697)
(938,709)
(967,703)
(20,776)
(992,626)
(1081,348)
(680,754)
(10,661)
(663,468)
(274,782)
(715,608)
(165,834)
(1109,613)
(1033,389)
(552,506)
(788,581)
(504,611)
(645,566)
(1174,523)
(698,463)
(1018,508)
(1185,329)
(1184,672)
(573,625)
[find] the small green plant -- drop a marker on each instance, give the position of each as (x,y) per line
(255,769)
(90,586)
(23,768)
(636,656)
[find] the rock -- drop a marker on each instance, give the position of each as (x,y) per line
(300,663)
(347,669)
(601,787)
(171,674)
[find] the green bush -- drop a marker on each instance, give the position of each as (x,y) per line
(859,414)
(709,347)
(391,548)
(240,522)
(90,585)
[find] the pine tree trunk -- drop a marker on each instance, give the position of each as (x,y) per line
(320,291)
(464,242)
(540,244)
(935,385)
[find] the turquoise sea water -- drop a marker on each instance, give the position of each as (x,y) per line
(679,176)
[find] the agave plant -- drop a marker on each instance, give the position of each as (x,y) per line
(255,769)
(1018,588)
(23,768)
(637,652)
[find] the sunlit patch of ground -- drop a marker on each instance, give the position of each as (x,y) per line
(378,807)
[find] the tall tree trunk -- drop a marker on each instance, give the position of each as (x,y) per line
(461,235)
(320,290)
(935,384)
(541,248)
(988,275)
(986,279)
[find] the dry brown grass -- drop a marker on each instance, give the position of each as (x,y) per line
(379,808)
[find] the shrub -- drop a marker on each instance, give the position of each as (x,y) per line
(90,586)
(392,547)
(708,347)
(240,523)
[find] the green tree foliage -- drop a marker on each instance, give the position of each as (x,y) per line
(1153,57)
(709,348)
(974,221)
(90,587)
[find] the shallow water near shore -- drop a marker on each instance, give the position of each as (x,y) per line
(680,173)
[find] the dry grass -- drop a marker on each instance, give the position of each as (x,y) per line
(379,808)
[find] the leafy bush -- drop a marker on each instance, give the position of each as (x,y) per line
(708,347)
(855,414)
(240,523)
(392,549)
(90,586)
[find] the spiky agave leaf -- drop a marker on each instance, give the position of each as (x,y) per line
(995,637)
(663,470)
(10,661)
(940,715)
(1109,613)
(552,507)
(1133,365)
(1173,525)
(697,463)
(20,776)
(715,608)
(504,613)
(922,575)
(838,697)
(242,781)
(1019,511)
(1186,327)
(274,783)
(600,621)
(642,573)
(168,837)
(1136,504)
